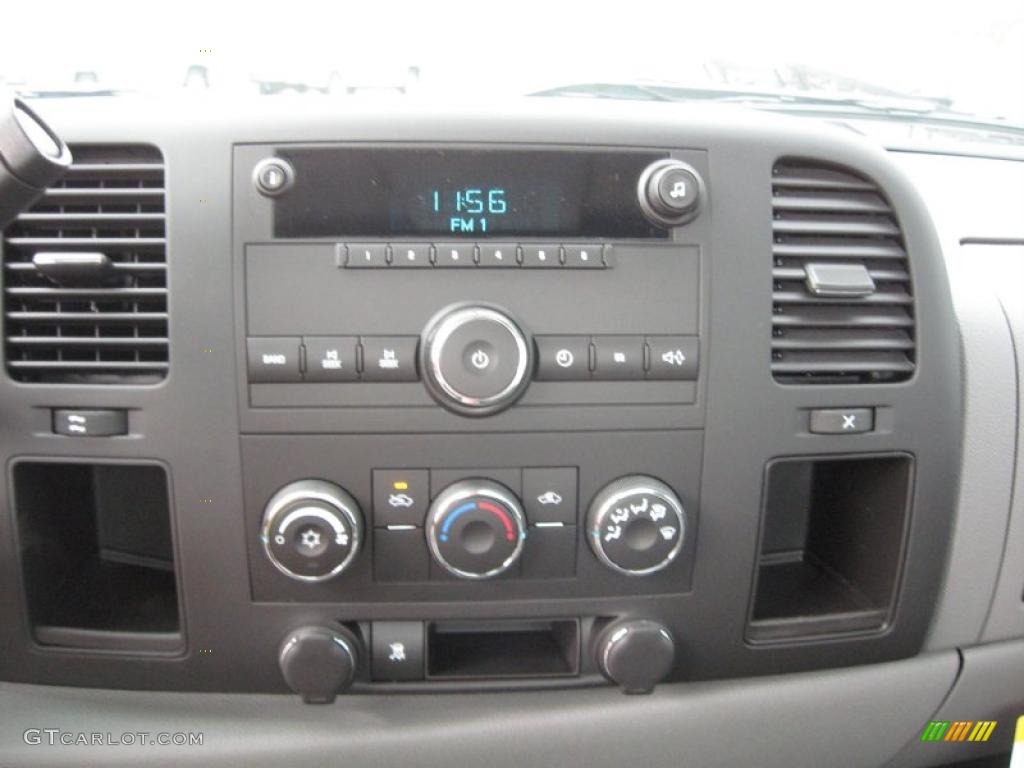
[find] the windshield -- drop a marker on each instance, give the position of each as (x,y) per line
(901,59)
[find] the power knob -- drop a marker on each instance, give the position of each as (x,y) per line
(476,359)
(670,192)
(636,525)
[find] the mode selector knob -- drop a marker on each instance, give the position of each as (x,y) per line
(636,525)
(670,192)
(311,530)
(476,529)
(476,359)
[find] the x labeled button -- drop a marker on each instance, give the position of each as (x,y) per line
(842,421)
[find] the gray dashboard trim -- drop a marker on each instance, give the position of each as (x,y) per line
(990,687)
(978,233)
(1006,617)
(851,717)
(986,474)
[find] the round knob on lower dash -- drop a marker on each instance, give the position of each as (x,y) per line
(476,529)
(636,654)
(311,530)
(318,662)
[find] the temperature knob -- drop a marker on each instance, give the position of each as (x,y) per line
(636,525)
(311,530)
(476,529)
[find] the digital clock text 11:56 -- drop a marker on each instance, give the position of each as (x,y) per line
(468,209)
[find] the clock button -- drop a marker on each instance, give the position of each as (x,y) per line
(563,358)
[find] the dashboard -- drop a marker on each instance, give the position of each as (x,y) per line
(542,403)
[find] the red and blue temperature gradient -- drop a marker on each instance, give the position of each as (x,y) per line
(484,506)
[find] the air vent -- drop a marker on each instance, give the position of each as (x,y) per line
(843,303)
(85,274)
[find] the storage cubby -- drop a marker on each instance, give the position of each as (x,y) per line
(832,544)
(97,556)
(503,649)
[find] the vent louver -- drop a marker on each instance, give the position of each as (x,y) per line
(107,323)
(829,219)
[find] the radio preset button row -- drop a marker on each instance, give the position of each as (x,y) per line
(617,358)
(469,255)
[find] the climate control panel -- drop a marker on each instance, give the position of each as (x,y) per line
(476,528)
(534,525)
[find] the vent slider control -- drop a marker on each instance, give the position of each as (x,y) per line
(839,280)
(74,268)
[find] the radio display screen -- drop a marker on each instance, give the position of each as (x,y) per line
(378,192)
